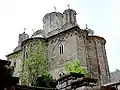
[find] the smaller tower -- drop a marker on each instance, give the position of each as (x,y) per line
(22,37)
(69,16)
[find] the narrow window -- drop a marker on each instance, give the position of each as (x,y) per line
(61,48)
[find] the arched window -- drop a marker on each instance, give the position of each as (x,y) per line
(61,48)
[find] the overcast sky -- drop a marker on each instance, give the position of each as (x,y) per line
(102,16)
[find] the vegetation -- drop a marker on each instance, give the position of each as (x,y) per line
(34,68)
(46,80)
(75,67)
(34,65)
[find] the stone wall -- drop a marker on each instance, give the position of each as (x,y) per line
(97,59)
(81,47)
(90,50)
(26,47)
(21,87)
(57,60)
(92,60)
(15,59)
(89,88)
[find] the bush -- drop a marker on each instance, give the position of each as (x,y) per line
(75,67)
(46,80)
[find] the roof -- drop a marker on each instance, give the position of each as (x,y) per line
(76,26)
(39,33)
(32,39)
(13,53)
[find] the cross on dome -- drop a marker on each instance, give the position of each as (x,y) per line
(55,8)
(68,6)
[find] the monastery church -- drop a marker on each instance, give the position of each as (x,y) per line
(65,41)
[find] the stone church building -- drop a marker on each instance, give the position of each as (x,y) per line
(65,41)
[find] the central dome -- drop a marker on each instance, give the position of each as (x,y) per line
(52,21)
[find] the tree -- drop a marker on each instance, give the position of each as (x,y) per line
(35,65)
(75,67)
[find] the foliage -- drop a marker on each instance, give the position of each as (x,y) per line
(9,70)
(34,65)
(46,80)
(75,67)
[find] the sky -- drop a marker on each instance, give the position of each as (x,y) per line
(102,16)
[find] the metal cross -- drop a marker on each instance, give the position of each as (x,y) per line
(55,8)
(33,30)
(24,29)
(68,6)
(86,26)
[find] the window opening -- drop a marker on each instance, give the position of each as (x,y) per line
(61,49)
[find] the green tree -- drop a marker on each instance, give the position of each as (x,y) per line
(34,65)
(75,67)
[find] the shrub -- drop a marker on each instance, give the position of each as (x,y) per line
(46,80)
(75,67)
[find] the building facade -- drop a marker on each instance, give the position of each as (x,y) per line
(65,41)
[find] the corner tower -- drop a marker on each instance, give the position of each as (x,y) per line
(69,16)
(22,37)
